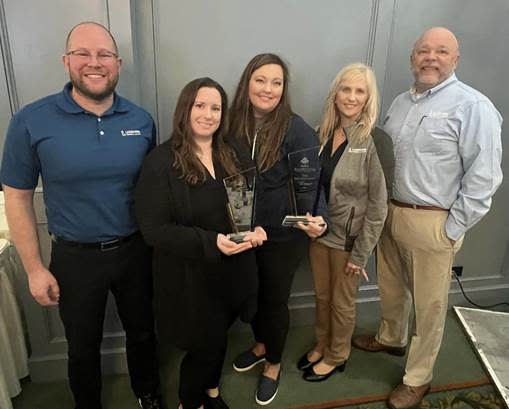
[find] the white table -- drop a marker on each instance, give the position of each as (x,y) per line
(13,353)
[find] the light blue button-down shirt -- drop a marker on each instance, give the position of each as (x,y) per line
(447,150)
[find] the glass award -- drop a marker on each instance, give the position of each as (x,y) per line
(304,168)
(240,190)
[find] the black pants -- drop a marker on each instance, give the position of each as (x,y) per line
(277,263)
(85,277)
(201,368)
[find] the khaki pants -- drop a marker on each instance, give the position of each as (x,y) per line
(335,302)
(415,258)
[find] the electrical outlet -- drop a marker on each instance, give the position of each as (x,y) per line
(458,270)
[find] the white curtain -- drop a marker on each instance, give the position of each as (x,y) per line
(13,353)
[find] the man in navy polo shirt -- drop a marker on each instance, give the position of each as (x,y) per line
(87,144)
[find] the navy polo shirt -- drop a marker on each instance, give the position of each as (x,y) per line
(89,165)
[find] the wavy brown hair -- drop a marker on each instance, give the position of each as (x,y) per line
(275,123)
(182,141)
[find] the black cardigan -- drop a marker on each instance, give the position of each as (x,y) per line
(184,255)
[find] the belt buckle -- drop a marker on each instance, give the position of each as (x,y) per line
(414,206)
(110,245)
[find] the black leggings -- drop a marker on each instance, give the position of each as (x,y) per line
(277,263)
(201,368)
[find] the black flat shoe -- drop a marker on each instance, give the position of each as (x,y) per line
(311,376)
(304,363)
(215,403)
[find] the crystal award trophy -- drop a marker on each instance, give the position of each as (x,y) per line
(240,190)
(304,166)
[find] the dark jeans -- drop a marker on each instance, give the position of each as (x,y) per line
(85,277)
(277,263)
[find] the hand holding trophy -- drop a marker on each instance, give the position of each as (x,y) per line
(314,227)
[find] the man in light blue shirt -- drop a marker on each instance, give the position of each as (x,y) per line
(447,149)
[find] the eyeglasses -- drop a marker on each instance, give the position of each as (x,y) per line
(85,56)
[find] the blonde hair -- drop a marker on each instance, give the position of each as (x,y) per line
(331,118)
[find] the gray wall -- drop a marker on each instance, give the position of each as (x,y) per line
(165,44)
(5,108)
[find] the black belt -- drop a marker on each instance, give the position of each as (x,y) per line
(103,246)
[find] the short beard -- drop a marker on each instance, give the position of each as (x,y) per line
(96,96)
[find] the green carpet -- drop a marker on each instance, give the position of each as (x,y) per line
(481,397)
(477,398)
(366,375)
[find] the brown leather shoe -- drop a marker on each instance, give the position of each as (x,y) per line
(370,344)
(407,397)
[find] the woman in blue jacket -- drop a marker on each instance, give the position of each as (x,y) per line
(261,117)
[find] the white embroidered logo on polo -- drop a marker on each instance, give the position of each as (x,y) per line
(357,150)
(130,132)
(433,114)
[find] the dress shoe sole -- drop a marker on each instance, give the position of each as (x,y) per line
(396,351)
(390,406)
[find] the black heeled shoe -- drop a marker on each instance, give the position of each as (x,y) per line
(311,376)
(304,363)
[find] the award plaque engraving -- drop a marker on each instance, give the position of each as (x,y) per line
(240,190)
(304,167)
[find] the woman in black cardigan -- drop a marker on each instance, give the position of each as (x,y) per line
(202,280)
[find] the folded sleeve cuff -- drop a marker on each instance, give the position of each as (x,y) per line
(453,230)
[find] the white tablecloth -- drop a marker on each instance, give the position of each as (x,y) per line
(13,353)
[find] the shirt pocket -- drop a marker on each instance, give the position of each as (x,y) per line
(436,137)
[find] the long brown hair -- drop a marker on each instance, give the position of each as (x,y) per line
(182,140)
(275,124)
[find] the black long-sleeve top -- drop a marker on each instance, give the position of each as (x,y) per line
(191,276)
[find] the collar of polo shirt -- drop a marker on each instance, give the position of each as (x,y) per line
(69,105)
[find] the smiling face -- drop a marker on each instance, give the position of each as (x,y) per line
(265,89)
(205,116)
(434,58)
(92,63)
(351,98)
